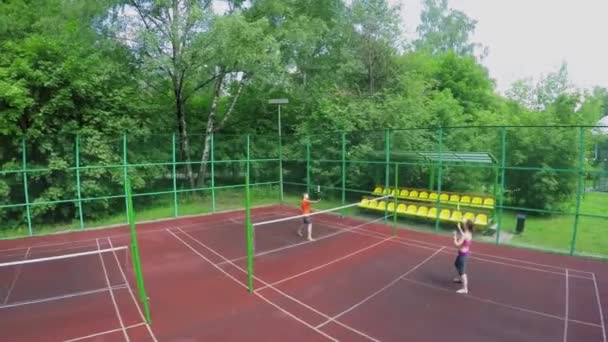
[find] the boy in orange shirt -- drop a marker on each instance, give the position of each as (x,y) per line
(305,207)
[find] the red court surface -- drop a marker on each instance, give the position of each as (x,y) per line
(356,282)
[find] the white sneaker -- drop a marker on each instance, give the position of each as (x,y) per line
(311,239)
(463,291)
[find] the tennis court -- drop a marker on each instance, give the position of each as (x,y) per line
(356,282)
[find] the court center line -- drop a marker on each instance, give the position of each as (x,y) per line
(332,319)
(71,295)
(567,309)
(326,264)
(599,306)
(493,302)
(268,286)
(124,277)
(104,333)
(105,272)
(14,281)
(245,286)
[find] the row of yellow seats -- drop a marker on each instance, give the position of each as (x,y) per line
(479,219)
(421,195)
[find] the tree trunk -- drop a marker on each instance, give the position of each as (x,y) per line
(184,144)
(202,172)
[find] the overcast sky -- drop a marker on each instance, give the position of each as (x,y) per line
(528,38)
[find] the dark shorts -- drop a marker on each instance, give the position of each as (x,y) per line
(461,263)
(307,220)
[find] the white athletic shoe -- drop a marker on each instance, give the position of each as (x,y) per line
(464,291)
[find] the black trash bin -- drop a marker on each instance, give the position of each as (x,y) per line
(521,220)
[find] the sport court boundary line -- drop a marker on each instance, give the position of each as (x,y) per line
(59,257)
(567,299)
(104,332)
(393,282)
(277,290)
(405,241)
(493,302)
(599,305)
(124,277)
(71,295)
(245,286)
(105,272)
(14,281)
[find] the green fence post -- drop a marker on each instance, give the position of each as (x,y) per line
(439,175)
(174,152)
(387,158)
(249,227)
(431,175)
(280,167)
(213,204)
(78,192)
(395,200)
(343,172)
(25,187)
(125,171)
(581,171)
(501,190)
(308,165)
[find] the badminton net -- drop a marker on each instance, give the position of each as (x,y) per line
(281,233)
(37,275)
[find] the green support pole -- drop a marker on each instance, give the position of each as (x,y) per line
(213,204)
(308,165)
(175,205)
(395,199)
(387,158)
(495,190)
(143,297)
(249,226)
(581,171)
(343,171)
(125,171)
(78,191)
(280,167)
(439,174)
(432,176)
(25,189)
(501,191)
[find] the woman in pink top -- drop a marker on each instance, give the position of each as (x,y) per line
(462,241)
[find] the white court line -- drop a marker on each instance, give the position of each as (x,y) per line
(489,301)
(59,257)
(599,305)
(104,333)
(14,281)
(105,272)
(567,309)
(332,319)
(324,265)
(279,291)
(245,286)
(340,231)
(71,295)
(131,292)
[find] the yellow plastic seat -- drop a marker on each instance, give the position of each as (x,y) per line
(372,204)
(364,203)
(456,216)
(432,213)
(444,198)
(378,190)
(455,198)
(488,202)
(444,214)
(381,205)
(465,200)
(401,208)
(476,202)
(404,193)
(433,196)
(411,209)
(423,195)
(386,191)
(393,192)
(469,216)
(413,194)
(422,211)
(391,207)
(481,220)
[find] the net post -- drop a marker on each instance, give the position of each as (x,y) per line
(213,204)
(439,175)
(174,167)
(395,199)
(343,171)
(78,189)
(280,165)
(125,171)
(579,191)
(501,190)
(308,165)
(249,227)
(25,187)
(143,297)
(387,147)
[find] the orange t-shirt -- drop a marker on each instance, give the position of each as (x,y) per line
(305,206)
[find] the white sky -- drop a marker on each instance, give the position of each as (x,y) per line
(528,38)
